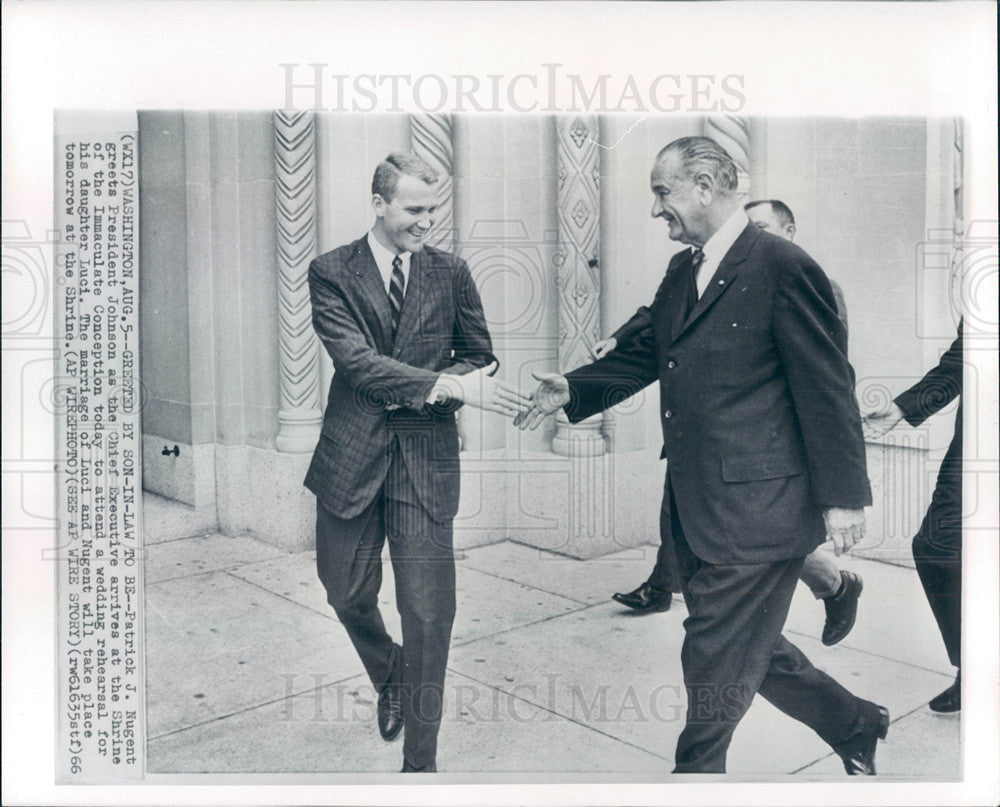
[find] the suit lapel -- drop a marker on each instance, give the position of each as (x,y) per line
(409,314)
(723,278)
(370,281)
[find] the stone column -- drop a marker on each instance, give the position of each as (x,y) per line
(432,140)
(577,268)
(958,216)
(431,135)
(757,187)
(733,134)
(299,416)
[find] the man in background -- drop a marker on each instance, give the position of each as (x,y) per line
(937,547)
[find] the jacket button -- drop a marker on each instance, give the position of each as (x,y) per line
(668,414)
(671,365)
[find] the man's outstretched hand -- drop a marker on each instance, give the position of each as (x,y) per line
(479,390)
(550,396)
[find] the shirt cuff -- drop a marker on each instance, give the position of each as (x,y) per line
(446,388)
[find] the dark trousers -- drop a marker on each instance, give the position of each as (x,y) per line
(665,576)
(349,562)
(733,649)
(937,552)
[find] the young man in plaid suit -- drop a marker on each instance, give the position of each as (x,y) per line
(404,325)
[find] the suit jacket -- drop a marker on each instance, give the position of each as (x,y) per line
(938,388)
(641,319)
(761,428)
(441,329)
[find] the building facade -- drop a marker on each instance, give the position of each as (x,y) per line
(552,215)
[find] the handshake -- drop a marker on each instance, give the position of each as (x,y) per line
(478,389)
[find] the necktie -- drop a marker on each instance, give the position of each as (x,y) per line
(697,258)
(396,292)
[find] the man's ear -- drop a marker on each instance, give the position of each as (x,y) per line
(704,184)
(378,204)
(790,229)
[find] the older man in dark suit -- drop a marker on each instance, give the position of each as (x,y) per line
(765,457)
(404,325)
(839,589)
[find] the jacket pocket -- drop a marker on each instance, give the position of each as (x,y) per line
(332,431)
(756,467)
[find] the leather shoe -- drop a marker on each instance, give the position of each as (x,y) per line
(645,598)
(950,700)
(842,608)
(858,754)
(430,767)
(390,711)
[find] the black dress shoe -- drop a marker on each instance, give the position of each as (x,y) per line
(430,767)
(645,598)
(842,608)
(950,700)
(390,712)
(858,754)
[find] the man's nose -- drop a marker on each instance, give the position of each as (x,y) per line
(657,209)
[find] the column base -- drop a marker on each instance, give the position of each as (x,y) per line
(582,439)
(298,432)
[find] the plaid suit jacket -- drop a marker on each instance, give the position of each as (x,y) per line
(380,386)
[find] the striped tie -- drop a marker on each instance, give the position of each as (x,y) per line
(396,292)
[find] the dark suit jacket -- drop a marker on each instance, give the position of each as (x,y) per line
(938,388)
(761,428)
(640,319)
(441,329)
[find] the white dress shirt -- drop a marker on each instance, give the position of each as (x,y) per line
(444,388)
(383,260)
(718,245)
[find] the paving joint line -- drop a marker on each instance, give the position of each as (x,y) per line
(529,585)
(562,716)
(253,708)
(874,655)
(816,761)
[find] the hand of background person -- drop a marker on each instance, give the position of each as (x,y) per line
(879,421)
(604,347)
(550,396)
(844,527)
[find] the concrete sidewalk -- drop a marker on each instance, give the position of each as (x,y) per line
(249,671)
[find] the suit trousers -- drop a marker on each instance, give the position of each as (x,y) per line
(349,563)
(937,552)
(733,649)
(819,572)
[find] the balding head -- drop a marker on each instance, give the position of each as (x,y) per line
(772,215)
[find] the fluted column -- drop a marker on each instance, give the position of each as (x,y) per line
(733,134)
(299,415)
(958,215)
(432,140)
(577,268)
